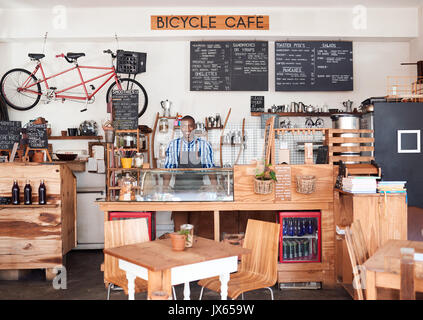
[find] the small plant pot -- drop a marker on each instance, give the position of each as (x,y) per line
(178,241)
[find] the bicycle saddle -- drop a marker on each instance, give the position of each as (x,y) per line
(75,56)
(36,56)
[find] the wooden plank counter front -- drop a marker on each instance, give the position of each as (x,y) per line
(37,236)
(246,200)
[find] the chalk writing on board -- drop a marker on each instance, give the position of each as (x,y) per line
(37,136)
(229,66)
(125,109)
(313,66)
(10,132)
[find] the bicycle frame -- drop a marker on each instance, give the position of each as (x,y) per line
(111,73)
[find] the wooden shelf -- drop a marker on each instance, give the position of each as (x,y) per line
(51,205)
(74,165)
(304,114)
(75,138)
(125,169)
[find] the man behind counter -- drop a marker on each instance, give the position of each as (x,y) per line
(188,152)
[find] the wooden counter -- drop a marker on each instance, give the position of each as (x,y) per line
(246,200)
(382,217)
(37,236)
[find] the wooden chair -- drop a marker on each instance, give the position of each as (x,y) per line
(258,270)
(119,233)
(358,253)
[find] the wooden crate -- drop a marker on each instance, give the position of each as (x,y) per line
(334,141)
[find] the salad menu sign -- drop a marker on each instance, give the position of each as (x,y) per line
(313,66)
(229,66)
(37,136)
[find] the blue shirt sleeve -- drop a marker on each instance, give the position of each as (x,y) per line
(171,160)
(206,154)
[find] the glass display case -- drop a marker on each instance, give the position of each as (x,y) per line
(189,185)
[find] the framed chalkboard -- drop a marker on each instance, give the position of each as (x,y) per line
(257,104)
(229,66)
(10,132)
(125,109)
(313,66)
(37,136)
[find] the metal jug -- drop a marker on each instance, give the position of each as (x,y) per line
(166,105)
(348,105)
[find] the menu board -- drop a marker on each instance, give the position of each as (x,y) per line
(37,136)
(257,104)
(229,66)
(10,132)
(125,109)
(313,66)
(283,183)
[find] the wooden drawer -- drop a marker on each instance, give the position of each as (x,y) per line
(30,254)
(37,223)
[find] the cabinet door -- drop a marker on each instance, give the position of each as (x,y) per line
(90,222)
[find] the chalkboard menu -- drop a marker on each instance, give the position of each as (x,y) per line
(125,109)
(313,66)
(10,132)
(229,66)
(257,104)
(37,136)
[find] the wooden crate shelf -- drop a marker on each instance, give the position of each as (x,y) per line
(335,146)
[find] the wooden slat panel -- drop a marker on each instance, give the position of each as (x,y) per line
(300,276)
(350,140)
(36,223)
(68,189)
(350,158)
(351,131)
(30,254)
(350,149)
(34,172)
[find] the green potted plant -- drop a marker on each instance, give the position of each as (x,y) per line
(264,179)
(178,240)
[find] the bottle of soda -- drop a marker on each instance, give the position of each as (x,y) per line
(15,193)
(42,193)
(27,193)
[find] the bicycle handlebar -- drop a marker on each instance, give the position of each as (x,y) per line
(110,52)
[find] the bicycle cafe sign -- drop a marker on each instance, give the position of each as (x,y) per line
(210,22)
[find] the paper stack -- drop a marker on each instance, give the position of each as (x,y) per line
(391,187)
(359,184)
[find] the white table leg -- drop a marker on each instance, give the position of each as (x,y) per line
(131,285)
(187,292)
(224,278)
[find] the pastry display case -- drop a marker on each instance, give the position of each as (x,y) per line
(181,185)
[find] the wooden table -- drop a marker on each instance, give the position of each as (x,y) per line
(156,262)
(376,273)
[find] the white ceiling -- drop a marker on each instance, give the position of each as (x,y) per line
(208,3)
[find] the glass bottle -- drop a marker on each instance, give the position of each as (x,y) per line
(15,193)
(42,193)
(290,228)
(27,193)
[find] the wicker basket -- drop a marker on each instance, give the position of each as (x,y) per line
(263,186)
(306,184)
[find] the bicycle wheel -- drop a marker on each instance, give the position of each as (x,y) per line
(131,84)
(12,82)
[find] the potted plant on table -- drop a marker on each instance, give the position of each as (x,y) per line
(178,240)
(264,179)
